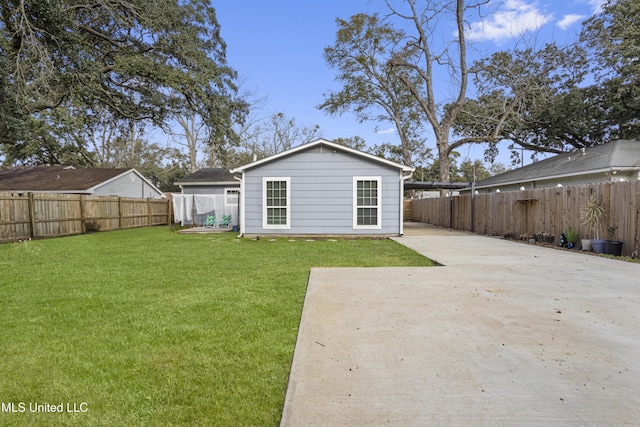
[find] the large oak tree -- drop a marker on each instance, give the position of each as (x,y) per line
(141,60)
(613,38)
(564,112)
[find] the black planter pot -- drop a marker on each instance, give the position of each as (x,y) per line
(613,248)
(598,245)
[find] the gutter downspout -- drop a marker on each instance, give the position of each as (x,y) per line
(403,178)
(240,203)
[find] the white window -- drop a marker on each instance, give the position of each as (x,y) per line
(231,196)
(276,202)
(367,197)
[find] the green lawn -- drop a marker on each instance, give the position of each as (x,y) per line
(153,328)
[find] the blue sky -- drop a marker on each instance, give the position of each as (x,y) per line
(277,46)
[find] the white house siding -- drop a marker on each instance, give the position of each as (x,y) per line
(322,193)
(128,185)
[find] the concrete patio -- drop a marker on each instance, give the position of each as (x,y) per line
(504,333)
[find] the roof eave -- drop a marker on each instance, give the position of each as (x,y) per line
(49,191)
(560,176)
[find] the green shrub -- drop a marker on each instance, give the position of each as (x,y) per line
(572,235)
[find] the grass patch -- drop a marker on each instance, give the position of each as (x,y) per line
(155,328)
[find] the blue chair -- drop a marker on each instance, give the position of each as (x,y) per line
(226,221)
(210,221)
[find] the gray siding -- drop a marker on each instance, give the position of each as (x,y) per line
(124,186)
(322,193)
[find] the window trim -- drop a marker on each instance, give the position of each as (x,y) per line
(378,206)
(231,190)
(287,181)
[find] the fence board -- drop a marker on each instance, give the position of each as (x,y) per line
(545,210)
(23,216)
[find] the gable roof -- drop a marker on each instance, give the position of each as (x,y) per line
(329,144)
(208,176)
(617,155)
(60,178)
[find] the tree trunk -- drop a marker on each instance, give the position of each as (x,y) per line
(442,141)
(193,156)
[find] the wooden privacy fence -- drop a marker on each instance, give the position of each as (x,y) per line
(544,210)
(31,215)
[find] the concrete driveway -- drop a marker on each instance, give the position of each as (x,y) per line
(504,334)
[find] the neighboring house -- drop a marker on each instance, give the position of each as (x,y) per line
(207,192)
(322,188)
(612,162)
(68,180)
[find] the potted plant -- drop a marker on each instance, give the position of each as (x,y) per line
(592,214)
(613,246)
(572,236)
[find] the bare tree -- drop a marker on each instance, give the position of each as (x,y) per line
(421,48)
(273,135)
(453,115)
(192,134)
(280,133)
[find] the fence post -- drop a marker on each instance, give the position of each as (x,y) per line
(450,209)
(83,219)
(120,213)
(473,207)
(148,212)
(32,215)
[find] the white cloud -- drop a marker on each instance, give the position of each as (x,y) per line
(597,5)
(513,19)
(386,131)
(569,20)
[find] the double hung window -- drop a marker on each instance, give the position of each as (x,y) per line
(276,196)
(366,202)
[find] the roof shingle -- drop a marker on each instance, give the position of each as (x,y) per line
(208,175)
(613,155)
(54,178)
